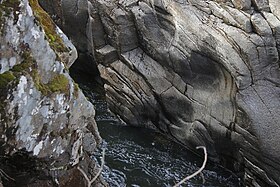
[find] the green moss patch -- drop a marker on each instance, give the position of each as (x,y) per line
(26,65)
(6,78)
(49,27)
(38,84)
(76,90)
(59,83)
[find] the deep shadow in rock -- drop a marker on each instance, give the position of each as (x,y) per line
(85,68)
(22,169)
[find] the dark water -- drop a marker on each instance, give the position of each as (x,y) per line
(141,157)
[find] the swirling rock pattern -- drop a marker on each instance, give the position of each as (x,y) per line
(204,72)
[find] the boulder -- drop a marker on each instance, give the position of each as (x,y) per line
(46,121)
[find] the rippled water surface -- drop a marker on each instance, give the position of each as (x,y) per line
(141,157)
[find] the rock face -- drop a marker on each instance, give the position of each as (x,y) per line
(72,17)
(42,112)
(204,72)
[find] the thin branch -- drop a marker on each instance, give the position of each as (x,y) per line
(89,182)
(198,171)
(203,178)
(5,175)
(85,175)
(101,167)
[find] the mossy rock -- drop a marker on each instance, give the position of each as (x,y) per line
(27,64)
(59,83)
(5,79)
(76,90)
(49,27)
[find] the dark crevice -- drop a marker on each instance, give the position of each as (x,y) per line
(85,68)
(23,169)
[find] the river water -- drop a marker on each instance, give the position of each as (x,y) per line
(142,157)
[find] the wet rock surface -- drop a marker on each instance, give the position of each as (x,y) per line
(203,72)
(45,118)
(155,160)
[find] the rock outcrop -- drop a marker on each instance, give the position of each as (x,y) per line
(72,17)
(43,114)
(202,71)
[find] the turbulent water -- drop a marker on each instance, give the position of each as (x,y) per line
(141,157)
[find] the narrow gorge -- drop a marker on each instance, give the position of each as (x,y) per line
(201,72)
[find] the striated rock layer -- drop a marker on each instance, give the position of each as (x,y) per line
(43,114)
(204,72)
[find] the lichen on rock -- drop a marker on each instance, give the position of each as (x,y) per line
(6,78)
(49,27)
(6,8)
(43,113)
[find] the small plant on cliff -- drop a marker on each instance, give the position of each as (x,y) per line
(59,83)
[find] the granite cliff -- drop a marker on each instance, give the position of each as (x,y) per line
(47,125)
(203,72)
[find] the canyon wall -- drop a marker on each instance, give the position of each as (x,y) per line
(47,124)
(203,72)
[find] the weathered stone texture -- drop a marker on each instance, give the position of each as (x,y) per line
(203,72)
(42,111)
(210,71)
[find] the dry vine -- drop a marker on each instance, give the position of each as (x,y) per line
(89,182)
(198,171)
(5,175)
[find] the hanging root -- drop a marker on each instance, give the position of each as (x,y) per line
(198,171)
(5,175)
(89,182)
